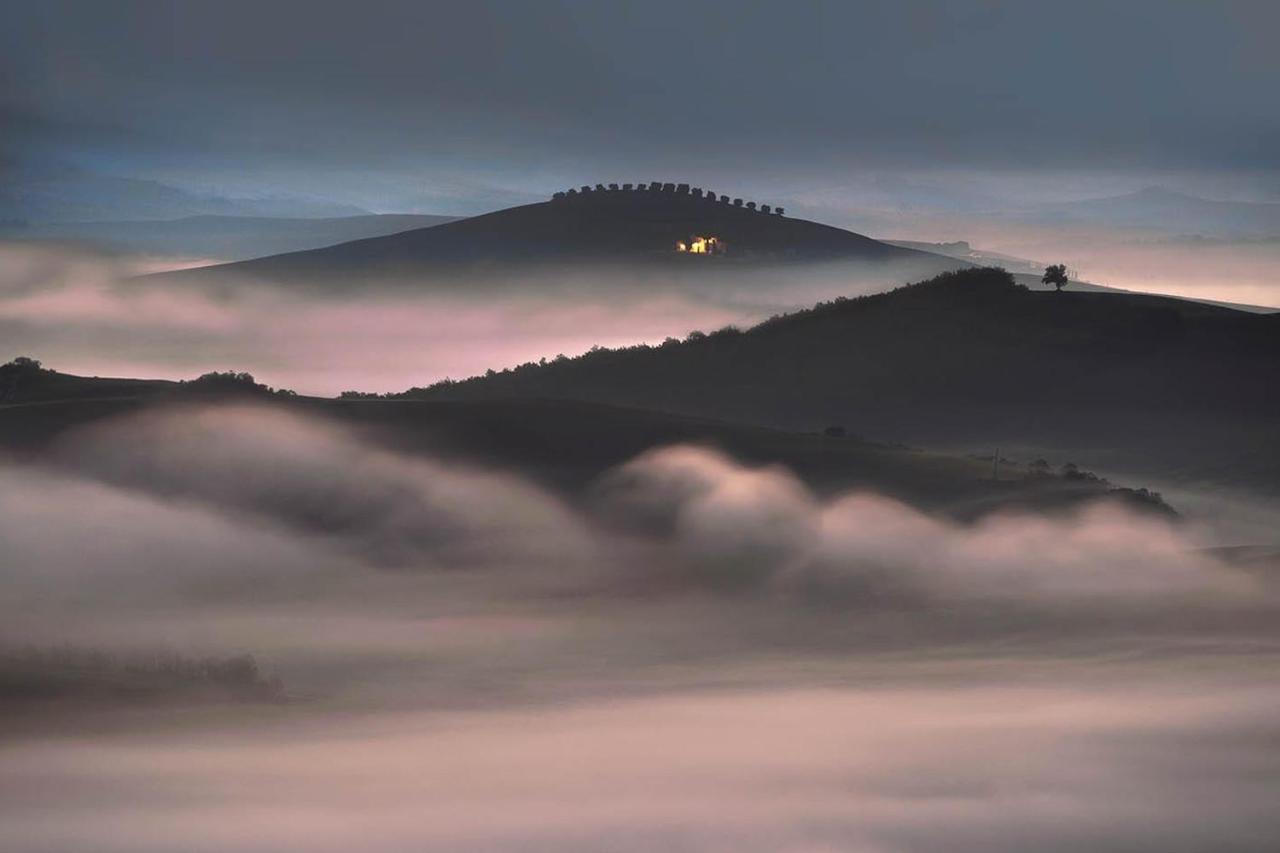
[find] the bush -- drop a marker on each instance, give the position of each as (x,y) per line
(22,364)
(233,382)
(16,373)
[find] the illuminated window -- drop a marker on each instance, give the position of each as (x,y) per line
(700,245)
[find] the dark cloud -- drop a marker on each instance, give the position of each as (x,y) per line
(503,98)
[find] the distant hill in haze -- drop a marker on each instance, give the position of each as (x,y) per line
(54,193)
(969,358)
(626,228)
(225,238)
(962,250)
(1171,212)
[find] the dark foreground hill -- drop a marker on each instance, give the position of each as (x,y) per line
(604,228)
(566,446)
(967,359)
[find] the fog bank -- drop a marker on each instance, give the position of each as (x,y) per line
(705,655)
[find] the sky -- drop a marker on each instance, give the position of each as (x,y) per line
(459,107)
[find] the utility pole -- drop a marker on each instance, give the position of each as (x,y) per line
(995,465)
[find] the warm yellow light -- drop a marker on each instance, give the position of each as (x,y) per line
(701,246)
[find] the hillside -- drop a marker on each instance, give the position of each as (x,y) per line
(226,238)
(967,359)
(622,227)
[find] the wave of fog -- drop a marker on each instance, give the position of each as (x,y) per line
(86,313)
(318,480)
(740,525)
(699,655)
(223,506)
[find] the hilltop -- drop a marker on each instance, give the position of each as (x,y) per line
(626,226)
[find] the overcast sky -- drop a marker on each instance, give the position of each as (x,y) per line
(462,105)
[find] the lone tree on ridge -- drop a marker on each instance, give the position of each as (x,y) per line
(1055,274)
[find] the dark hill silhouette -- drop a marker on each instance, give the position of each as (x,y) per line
(968,358)
(606,227)
(566,446)
(24,381)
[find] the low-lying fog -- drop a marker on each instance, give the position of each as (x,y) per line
(86,313)
(700,656)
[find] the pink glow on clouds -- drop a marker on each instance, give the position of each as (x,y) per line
(73,312)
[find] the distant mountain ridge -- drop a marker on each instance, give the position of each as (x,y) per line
(1165,210)
(224,238)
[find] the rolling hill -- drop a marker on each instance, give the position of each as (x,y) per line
(968,359)
(628,228)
